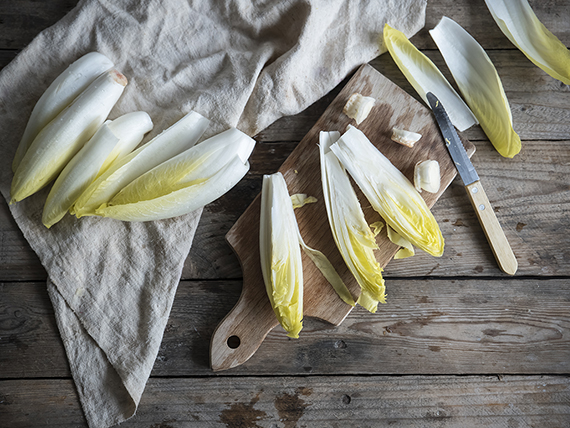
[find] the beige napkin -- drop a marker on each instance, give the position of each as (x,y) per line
(238,62)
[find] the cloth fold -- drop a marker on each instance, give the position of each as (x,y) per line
(238,62)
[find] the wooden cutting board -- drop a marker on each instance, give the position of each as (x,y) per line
(245,327)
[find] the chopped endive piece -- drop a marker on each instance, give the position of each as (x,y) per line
(179,137)
(427,176)
(64,136)
(63,90)
(358,107)
(186,182)
(377,227)
(389,192)
(407,249)
(425,77)
(299,200)
(280,256)
(405,138)
(77,175)
(518,22)
(352,235)
(479,83)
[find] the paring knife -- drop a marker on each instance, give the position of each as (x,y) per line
(485,213)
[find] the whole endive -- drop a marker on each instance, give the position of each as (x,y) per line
(63,90)
(111,140)
(177,138)
(185,182)
(64,136)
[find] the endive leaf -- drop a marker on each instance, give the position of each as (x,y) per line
(171,142)
(518,22)
(186,182)
(350,231)
(425,77)
(479,83)
(280,254)
(389,192)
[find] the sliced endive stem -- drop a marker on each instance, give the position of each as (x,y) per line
(389,192)
(63,90)
(171,142)
(64,136)
(280,254)
(351,233)
(109,141)
(425,77)
(77,175)
(518,22)
(279,241)
(479,83)
(186,182)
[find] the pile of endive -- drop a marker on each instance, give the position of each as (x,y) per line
(409,222)
(97,167)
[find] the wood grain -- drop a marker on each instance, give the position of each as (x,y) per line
(252,318)
(436,326)
(330,401)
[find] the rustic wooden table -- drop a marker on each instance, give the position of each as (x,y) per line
(459,343)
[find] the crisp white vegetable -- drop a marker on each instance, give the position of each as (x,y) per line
(280,257)
(352,235)
(186,182)
(405,138)
(479,83)
(78,174)
(427,176)
(425,77)
(358,107)
(171,142)
(114,137)
(63,90)
(130,128)
(518,22)
(299,200)
(64,136)
(389,192)
(280,254)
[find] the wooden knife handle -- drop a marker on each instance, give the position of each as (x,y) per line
(492,228)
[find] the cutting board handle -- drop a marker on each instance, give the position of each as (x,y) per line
(242,331)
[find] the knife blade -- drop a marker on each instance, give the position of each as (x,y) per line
(485,214)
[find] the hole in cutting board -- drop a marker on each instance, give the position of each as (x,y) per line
(233,342)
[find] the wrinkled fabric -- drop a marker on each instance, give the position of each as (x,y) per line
(238,62)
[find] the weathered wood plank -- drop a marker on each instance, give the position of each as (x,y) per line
(427,327)
(330,401)
(22,20)
(538,102)
(531,194)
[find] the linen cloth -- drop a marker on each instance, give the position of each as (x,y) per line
(238,62)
